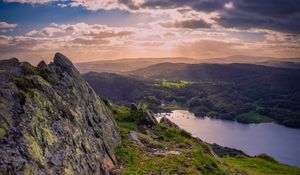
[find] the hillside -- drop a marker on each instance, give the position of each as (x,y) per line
(117,87)
(127,64)
(130,64)
(52,122)
(216,72)
(163,148)
(243,92)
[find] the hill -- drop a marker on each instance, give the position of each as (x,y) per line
(164,148)
(243,92)
(130,64)
(127,64)
(52,122)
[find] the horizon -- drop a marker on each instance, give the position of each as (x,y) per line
(213,59)
(97,30)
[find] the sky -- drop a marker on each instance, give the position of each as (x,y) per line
(86,30)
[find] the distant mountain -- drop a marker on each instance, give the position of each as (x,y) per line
(282,64)
(237,59)
(217,72)
(247,59)
(124,65)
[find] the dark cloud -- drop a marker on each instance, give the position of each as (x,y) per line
(203,5)
(278,15)
(209,6)
(273,8)
(191,24)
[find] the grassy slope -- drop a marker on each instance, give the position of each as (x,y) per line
(258,166)
(195,156)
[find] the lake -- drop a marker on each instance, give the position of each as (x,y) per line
(280,142)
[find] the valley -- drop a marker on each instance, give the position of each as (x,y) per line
(52,121)
(243,92)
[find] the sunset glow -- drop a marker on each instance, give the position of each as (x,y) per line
(87,30)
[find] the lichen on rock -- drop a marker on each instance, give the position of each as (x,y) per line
(52,122)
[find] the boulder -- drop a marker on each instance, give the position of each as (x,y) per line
(148,119)
(133,108)
(52,122)
(168,122)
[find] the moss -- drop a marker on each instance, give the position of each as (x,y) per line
(77,115)
(2,133)
(39,99)
(34,148)
(4,122)
(49,136)
(57,97)
(69,170)
(78,151)
(2,105)
(41,82)
(28,170)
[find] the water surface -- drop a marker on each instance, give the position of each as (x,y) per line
(280,142)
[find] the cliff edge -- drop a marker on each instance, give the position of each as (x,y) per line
(52,122)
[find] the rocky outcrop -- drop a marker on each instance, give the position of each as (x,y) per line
(133,108)
(148,119)
(168,122)
(143,116)
(52,122)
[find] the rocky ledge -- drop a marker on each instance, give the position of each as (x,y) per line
(52,122)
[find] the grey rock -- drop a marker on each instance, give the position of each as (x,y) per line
(168,122)
(148,119)
(42,65)
(52,122)
(133,108)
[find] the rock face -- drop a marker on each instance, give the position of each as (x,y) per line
(148,119)
(52,122)
(144,116)
(168,122)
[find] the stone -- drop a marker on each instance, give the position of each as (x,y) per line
(52,122)
(168,122)
(148,119)
(133,108)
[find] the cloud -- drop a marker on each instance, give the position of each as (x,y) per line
(30,1)
(7,25)
(80,30)
(77,39)
(191,24)
(192,28)
(96,4)
(278,15)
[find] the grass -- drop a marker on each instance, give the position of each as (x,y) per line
(136,159)
(254,117)
(181,83)
(195,156)
(258,166)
